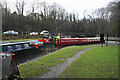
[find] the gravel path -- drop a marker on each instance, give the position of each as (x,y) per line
(57,70)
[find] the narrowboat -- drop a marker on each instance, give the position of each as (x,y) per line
(74,41)
(20,47)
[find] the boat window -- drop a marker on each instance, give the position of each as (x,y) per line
(10,48)
(4,49)
(14,47)
(22,45)
(18,47)
(26,46)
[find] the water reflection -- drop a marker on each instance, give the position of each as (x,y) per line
(35,53)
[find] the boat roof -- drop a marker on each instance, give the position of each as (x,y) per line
(12,43)
(82,38)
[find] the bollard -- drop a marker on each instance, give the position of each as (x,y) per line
(101,39)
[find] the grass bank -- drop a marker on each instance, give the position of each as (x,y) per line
(39,67)
(95,63)
(21,40)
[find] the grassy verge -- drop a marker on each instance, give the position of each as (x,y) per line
(95,63)
(21,40)
(37,68)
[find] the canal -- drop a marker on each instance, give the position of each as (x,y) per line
(36,53)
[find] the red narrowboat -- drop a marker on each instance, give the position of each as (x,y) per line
(71,41)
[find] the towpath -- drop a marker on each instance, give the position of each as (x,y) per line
(57,70)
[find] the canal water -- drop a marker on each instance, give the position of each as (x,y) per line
(36,53)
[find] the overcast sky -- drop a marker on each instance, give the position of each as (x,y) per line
(71,6)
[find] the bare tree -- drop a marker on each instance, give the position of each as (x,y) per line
(20,6)
(45,9)
(4,7)
(33,7)
(113,9)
